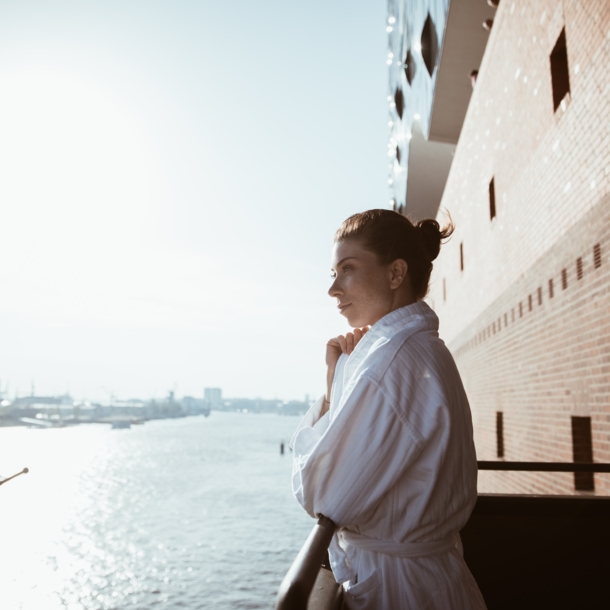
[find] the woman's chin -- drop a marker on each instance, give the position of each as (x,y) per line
(356,322)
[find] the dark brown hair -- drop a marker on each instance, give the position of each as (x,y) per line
(391,236)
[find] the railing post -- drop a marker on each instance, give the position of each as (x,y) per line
(301,577)
(24,471)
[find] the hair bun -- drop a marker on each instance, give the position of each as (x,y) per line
(432,236)
(430,232)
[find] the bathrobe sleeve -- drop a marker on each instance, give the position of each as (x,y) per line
(344,472)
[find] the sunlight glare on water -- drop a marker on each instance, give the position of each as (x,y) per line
(188,513)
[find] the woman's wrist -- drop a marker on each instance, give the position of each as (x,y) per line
(325,406)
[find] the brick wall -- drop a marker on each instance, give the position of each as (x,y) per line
(537,359)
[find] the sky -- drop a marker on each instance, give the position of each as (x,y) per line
(171,176)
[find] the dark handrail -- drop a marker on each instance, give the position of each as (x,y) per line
(298,583)
(24,471)
(301,577)
(545,466)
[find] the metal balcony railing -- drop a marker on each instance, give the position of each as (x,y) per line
(305,575)
(525,551)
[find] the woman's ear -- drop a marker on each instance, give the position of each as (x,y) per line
(399,269)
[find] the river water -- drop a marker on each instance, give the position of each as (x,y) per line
(188,513)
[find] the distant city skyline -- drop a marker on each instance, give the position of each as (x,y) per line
(213,396)
(171,175)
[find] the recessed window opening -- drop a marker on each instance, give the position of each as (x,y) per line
(410,68)
(492,200)
(512,314)
(579,268)
(520,309)
(499,434)
(564,279)
(505,320)
(529,302)
(429,44)
(551,291)
(399,100)
(539,295)
(560,74)
(597,256)
(582,449)
(461,256)
(494,327)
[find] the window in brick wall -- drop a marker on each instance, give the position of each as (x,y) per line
(499,324)
(579,268)
(499,434)
(582,449)
(564,279)
(529,302)
(520,309)
(461,256)
(597,256)
(551,291)
(512,314)
(505,320)
(560,74)
(539,295)
(492,200)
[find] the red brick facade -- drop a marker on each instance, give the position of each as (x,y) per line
(528,317)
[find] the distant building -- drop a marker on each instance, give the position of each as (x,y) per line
(195,406)
(259,405)
(47,407)
(520,156)
(24,401)
(213,397)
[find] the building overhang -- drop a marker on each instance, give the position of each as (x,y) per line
(463,47)
(428,168)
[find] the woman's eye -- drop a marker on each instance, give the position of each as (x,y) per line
(347,268)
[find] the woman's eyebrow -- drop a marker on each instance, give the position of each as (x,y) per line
(345,259)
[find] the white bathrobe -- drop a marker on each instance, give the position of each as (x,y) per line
(393,464)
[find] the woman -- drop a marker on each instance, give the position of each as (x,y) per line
(388,453)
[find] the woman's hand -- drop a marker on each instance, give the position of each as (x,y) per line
(343,344)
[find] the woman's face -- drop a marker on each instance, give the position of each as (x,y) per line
(364,288)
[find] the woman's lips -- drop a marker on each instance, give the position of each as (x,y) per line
(342,308)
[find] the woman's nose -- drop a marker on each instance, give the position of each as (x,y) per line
(334,290)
